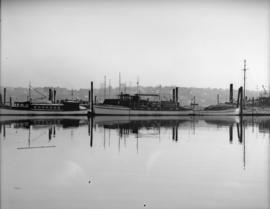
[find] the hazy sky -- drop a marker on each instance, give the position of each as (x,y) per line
(186,43)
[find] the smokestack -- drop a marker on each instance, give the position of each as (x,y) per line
(5,94)
(173,97)
(50,94)
(54,95)
(176,95)
(231,93)
(1,98)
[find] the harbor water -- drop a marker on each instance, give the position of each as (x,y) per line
(135,162)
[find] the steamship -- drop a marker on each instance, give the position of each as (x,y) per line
(32,107)
(225,109)
(141,105)
(136,105)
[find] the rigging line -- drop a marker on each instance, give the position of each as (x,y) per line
(39,92)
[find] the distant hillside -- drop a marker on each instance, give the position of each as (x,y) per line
(204,96)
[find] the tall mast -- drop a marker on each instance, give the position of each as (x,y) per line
(104,87)
(160,93)
(119,83)
(109,88)
(29,91)
(137,85)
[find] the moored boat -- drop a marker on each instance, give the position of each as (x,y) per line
(220,109)
(44,107)
(224,109)
(33,109)
(136,105)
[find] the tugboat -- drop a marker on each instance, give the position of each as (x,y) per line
(223,109)
(140,104)
(44,108)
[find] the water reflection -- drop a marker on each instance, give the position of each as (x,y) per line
(126,126)
(137,126)
(48,124)
(212,159)
(132,126)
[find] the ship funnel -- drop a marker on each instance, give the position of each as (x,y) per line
(50,94)
(5,94)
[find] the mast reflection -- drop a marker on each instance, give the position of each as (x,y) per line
(45,125)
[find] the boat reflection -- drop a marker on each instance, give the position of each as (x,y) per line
(140,127)
(39,124)
(132,125)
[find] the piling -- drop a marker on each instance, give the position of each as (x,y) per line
(92,97)
(231,93)
(54,95)
(176,96)
(241,100)
(89,98)
(5,94)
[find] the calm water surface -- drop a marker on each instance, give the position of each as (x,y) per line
(121,162)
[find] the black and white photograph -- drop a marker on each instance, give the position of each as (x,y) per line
(129,104)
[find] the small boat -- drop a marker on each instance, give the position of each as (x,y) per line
(137,105)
